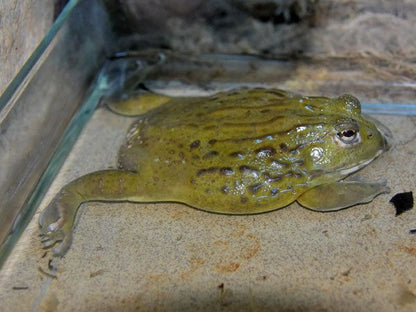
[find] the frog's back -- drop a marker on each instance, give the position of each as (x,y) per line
(242,111)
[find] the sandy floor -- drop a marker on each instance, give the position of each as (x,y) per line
(169,257)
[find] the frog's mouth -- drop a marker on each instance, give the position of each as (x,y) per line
(343,172)
(347,171)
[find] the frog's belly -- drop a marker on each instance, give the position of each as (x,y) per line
(234,203)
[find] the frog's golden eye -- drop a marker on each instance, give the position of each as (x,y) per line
(349,136)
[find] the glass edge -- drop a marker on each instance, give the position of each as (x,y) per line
(37,53)
(75,126)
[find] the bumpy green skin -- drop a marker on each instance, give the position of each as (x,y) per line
(240,152)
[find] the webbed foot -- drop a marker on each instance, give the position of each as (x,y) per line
(56,223)
(59,239)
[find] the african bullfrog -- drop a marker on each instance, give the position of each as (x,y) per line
(244,151)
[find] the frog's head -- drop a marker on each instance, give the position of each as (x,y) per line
(351,141)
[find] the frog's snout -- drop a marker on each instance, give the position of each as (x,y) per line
(387,136)
(386,139)
(386,143)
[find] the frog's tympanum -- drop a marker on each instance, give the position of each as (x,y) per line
(244,151)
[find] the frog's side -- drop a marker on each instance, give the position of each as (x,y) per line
(239,152)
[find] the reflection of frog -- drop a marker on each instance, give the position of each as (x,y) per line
(240,152)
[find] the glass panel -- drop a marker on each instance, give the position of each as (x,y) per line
(40,102)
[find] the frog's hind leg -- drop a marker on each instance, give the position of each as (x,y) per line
(138,104)
(57,220)
(340,195)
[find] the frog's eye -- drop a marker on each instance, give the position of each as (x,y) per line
(348,136)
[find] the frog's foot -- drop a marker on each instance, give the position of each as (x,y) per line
(56,223)
(340,195)
(58,240)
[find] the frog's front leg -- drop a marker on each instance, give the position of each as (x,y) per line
(339,195)
(57,220)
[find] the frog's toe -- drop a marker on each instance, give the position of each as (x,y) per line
(62,247)
(49,239)
(46,239)
(60,240)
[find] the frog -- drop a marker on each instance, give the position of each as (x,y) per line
(240,152)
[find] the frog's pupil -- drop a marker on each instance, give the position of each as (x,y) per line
(348,133)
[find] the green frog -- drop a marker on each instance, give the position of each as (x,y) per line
(243,151)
